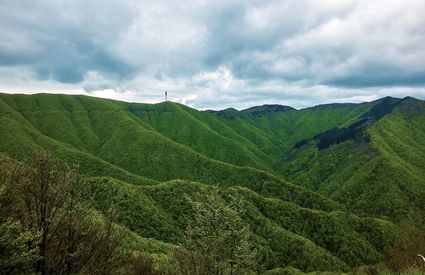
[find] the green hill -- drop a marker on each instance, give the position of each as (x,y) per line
(324,188)
(375,168)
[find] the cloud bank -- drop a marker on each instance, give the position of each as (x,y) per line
(215,54)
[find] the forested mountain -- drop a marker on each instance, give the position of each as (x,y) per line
(325,188)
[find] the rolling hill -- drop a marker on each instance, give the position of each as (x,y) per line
(325,188)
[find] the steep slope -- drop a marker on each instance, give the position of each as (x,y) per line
(108,130)
(101,134)
(276,132)
(19,138)
(85,122)
(144,159)
(197,131)
(373,166)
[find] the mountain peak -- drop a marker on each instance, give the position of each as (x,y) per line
(228,113)
(411,106)
(252,111)
(267,109)
(382,107)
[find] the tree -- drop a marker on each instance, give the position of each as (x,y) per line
(18,249)
(217,241)
(46,209)
(39,192)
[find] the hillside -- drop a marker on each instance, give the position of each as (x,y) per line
(374,167)
(324,188)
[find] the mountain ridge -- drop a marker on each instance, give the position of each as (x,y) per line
(267,105)
(145,158)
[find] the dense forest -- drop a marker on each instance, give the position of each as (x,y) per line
(96,186)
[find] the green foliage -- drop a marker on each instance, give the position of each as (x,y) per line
(91,132)
(137,211)
(406,250)
(216,239)
(382,178)
(48,227)
(18,249)
(309,207)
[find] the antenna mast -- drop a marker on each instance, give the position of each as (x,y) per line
(166,95)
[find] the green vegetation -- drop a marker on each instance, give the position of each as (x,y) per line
(216,239)
(381,177)
(322,189)
(48,227)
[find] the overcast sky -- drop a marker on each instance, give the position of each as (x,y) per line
(215,54)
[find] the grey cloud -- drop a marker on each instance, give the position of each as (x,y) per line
(324,47)
(63,41)
(310,50)
(378,76)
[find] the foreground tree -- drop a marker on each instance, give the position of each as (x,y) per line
(56,231)
(216,239)
(18,248)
